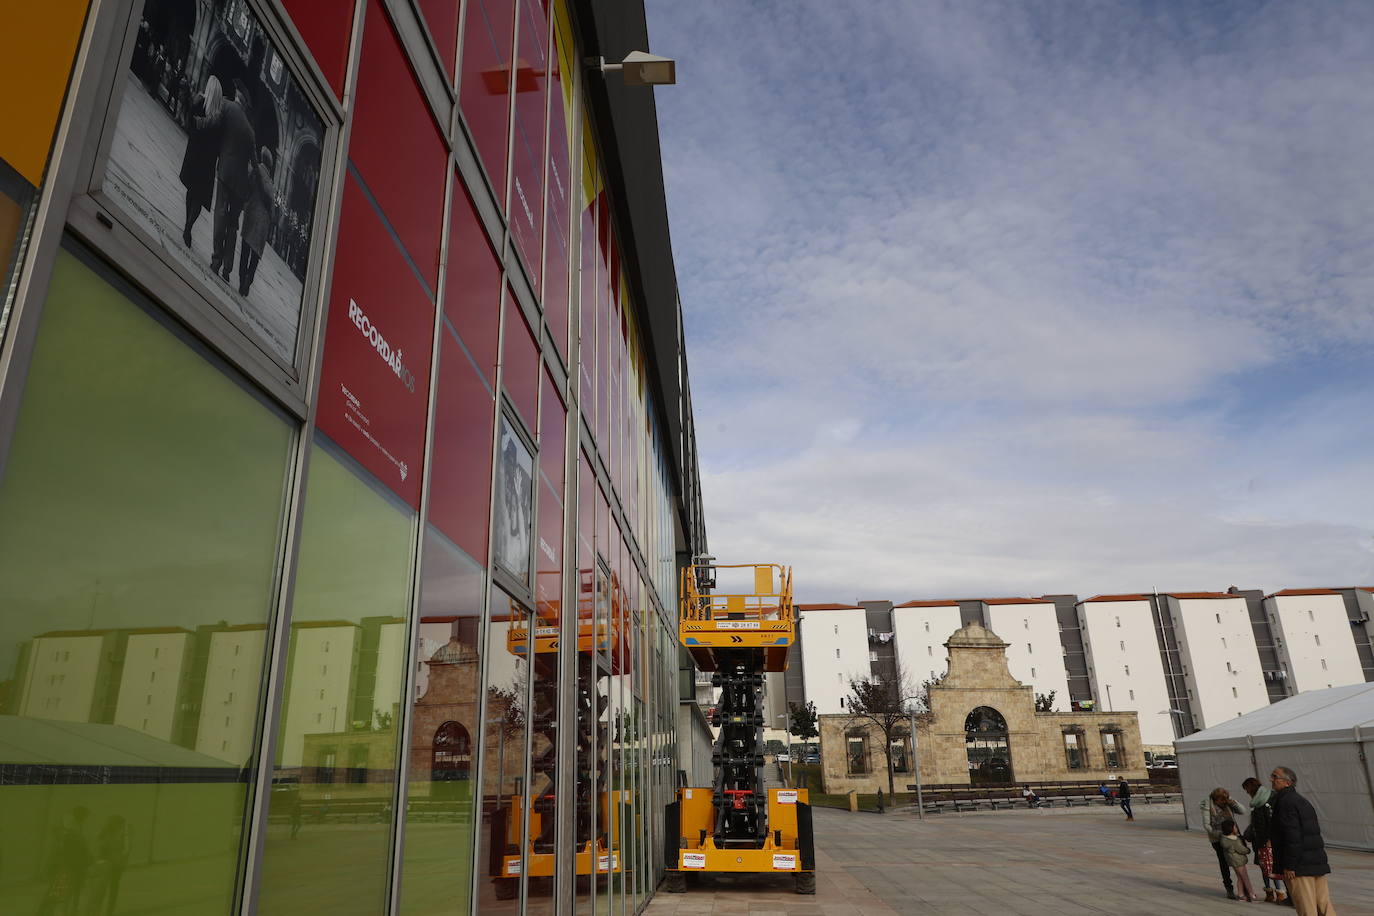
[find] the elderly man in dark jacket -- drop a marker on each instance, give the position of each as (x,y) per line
(1299,853)
(233,175)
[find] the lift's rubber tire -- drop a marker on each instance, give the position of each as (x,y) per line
(806,882)
(506,888)
(675,882)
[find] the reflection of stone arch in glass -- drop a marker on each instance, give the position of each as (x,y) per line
(452,758)
(988,745)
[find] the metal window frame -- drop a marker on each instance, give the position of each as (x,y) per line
(107,226)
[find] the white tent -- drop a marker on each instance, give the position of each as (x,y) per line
(1325,736)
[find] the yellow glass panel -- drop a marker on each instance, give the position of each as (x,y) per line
(36,52)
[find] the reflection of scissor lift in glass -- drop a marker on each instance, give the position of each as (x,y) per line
(735,825)
(598,649)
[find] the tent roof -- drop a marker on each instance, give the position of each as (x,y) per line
(49,741)
(1308,716)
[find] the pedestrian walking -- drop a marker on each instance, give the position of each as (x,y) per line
(257,216)
(1217,808)
(1299,851)
(1123,794)
(112,857)
(233,176)
(202,153)
(1258,833)
(1238,857)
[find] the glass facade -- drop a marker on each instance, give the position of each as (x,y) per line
(340,509)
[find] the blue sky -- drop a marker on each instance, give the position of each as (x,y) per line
(1000,298)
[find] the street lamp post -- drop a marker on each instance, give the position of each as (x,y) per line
(787,725)
(1177,723)
(916,762)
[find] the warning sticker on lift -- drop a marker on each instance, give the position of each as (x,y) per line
(695,860)
(787,861)
(608,862)
(787,796)
(737,624)
(513,868)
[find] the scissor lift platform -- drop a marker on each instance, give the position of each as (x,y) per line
(762,619)
(736,825)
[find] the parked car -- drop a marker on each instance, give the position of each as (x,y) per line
(813,757)
(784,758)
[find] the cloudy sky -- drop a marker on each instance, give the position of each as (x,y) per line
(1005,297)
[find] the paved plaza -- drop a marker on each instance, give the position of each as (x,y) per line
(1058,861)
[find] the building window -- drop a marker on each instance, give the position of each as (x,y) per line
(842,702)
(1309,616)
(1318,638)
(1323,664)
(1228,668)
(1122,644)
(1132,693)
(1218,618)
(856,753)
(1118,623)
(1073,751)
(872,655)
(901,760)
(1025,622)
(1111,749)
(1234,694)
(1128,669)
(1223,642)
(837,653)
(837,629)
(1029,649)
(927,626)
(1032,674)
(930,650)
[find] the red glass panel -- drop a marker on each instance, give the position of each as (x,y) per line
(558,256)
(472,287)
(460,482)
(520,373)
(442,18)
(527,154)
(326,26)
(483,96)
(407,178)
(375,378)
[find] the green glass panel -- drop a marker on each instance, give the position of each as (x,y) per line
(328,845)
(436,871)
(139,542)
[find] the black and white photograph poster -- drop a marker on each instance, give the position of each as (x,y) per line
(514,522)
(216,155)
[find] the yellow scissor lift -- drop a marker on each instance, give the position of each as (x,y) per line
(734,825)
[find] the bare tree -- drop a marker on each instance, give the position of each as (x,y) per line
(883,703)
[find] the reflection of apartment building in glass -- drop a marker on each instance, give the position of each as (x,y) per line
(1180,661)
(346,457)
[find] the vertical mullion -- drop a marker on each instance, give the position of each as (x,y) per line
(275,672)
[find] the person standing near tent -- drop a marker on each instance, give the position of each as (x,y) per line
(1299,852)
(1261,818)
(1217,808)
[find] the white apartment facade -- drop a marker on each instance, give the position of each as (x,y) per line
(1035,654)
(1313,633)
(1220,659)
(1181,661)
(1124,663)
(835,650)
(919,630)
(151,683)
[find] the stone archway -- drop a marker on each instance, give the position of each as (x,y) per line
(988,746)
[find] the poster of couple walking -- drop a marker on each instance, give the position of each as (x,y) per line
(217,156)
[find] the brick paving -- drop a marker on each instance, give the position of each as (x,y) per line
(1006,863)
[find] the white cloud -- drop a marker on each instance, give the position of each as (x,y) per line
(1000,293)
